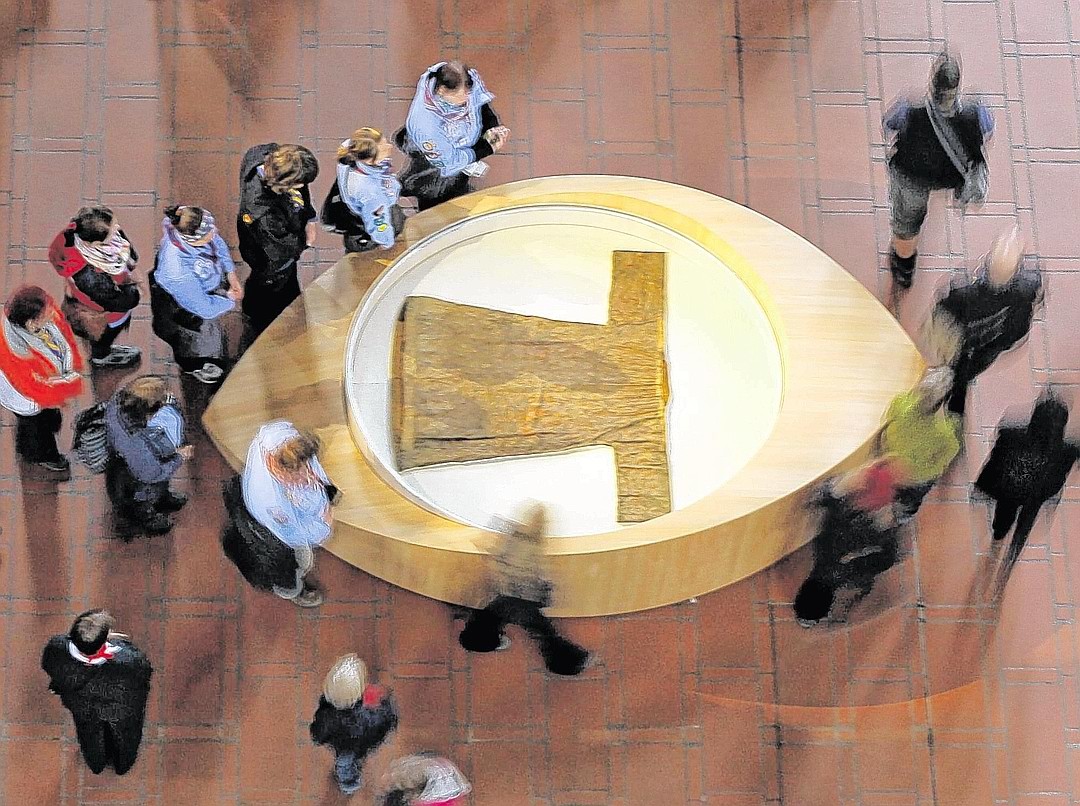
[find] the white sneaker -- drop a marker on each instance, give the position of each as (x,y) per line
(208,373)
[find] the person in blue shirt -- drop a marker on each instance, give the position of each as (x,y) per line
(450,129)
(369,190)
(192,285)
(920,163)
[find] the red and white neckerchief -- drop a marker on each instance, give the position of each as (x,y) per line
(106,653)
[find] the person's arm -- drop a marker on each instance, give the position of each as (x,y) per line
(113,297)
(895,117)
(280,244)
(986,121)
(442,154)
(488,118)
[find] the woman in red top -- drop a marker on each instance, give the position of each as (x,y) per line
(39,372)
(95,259)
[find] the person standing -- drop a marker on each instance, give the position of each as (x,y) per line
(276,223)
(144,431)
(923,437)
(521,589)
(353,718)
(984,317)
(938,146)
(1027,467)
(104,681)
(192,286)
(39,372)
(369,190)
(280,511)
(424,779)
(449,130)
(96,260)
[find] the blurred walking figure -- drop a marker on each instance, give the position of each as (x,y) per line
(276,223)
(922,437)
(363,202)
(856,541)
(1027,467)
(193,284)
(39,372)
(145,433)
(451,128)
(104,681)
(280,510)
(353,719)
(521,590)
(96,260)
(424,779)
(938,146)
(980,319)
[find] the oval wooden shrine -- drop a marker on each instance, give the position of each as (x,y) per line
(841,359)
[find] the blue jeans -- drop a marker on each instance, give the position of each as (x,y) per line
(347,772)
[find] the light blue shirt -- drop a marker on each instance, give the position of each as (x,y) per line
(370,192)
(191,274)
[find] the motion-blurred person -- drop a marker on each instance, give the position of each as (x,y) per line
(363,203)
(145,434)
(103,680)
(276,223)
(96,260)
(986,316)
(280,510)
(450,129)
(192,286)
(856,541)
(39,372)
(939,146)
(923,437)
(1026,468)
(424,779)
(353,718)
(521,588)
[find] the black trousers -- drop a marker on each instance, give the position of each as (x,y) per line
(103,743)
(911,498)
(266,298)
(483,632)
(102,347)
(35,436)
(421,180)
(1022,514)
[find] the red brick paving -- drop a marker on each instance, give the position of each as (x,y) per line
(932,695)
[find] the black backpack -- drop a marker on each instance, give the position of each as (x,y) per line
(336,215)
(89,440)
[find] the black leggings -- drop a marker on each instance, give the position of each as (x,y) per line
(483,633)
(1021,513)
(102,347)
(35,435)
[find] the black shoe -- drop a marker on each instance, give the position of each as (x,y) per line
(58,464)
(171,502)
(903,269)
(159,524)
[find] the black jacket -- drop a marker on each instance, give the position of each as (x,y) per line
(359,729)
(114,691)
(270,227)
(850,547)
(920,155)
(1030,462)
(262,559)
(992,318)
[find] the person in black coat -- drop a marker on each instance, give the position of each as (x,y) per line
(352,719)
(276,223)
(1027,467)
(987,316)
(104,681)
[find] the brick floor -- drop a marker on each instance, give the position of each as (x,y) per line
(932,695)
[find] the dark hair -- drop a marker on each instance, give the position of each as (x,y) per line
(946,74)
(25,304)
(90,630)
(141,398)
(814,600)
(295,452)
(1049,418)
(452,75)
(289,165)
(185,219)
(93,223)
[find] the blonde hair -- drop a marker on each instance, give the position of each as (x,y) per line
(289,165)
(1006,255)
(363,145)
(934,383)
(346,681)
(140,398)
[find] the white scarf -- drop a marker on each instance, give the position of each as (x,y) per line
(111,256)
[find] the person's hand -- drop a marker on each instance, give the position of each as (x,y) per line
(235,294)
(186,451)
(119,636)
(312,230)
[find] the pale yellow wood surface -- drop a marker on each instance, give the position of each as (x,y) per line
(843,359)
